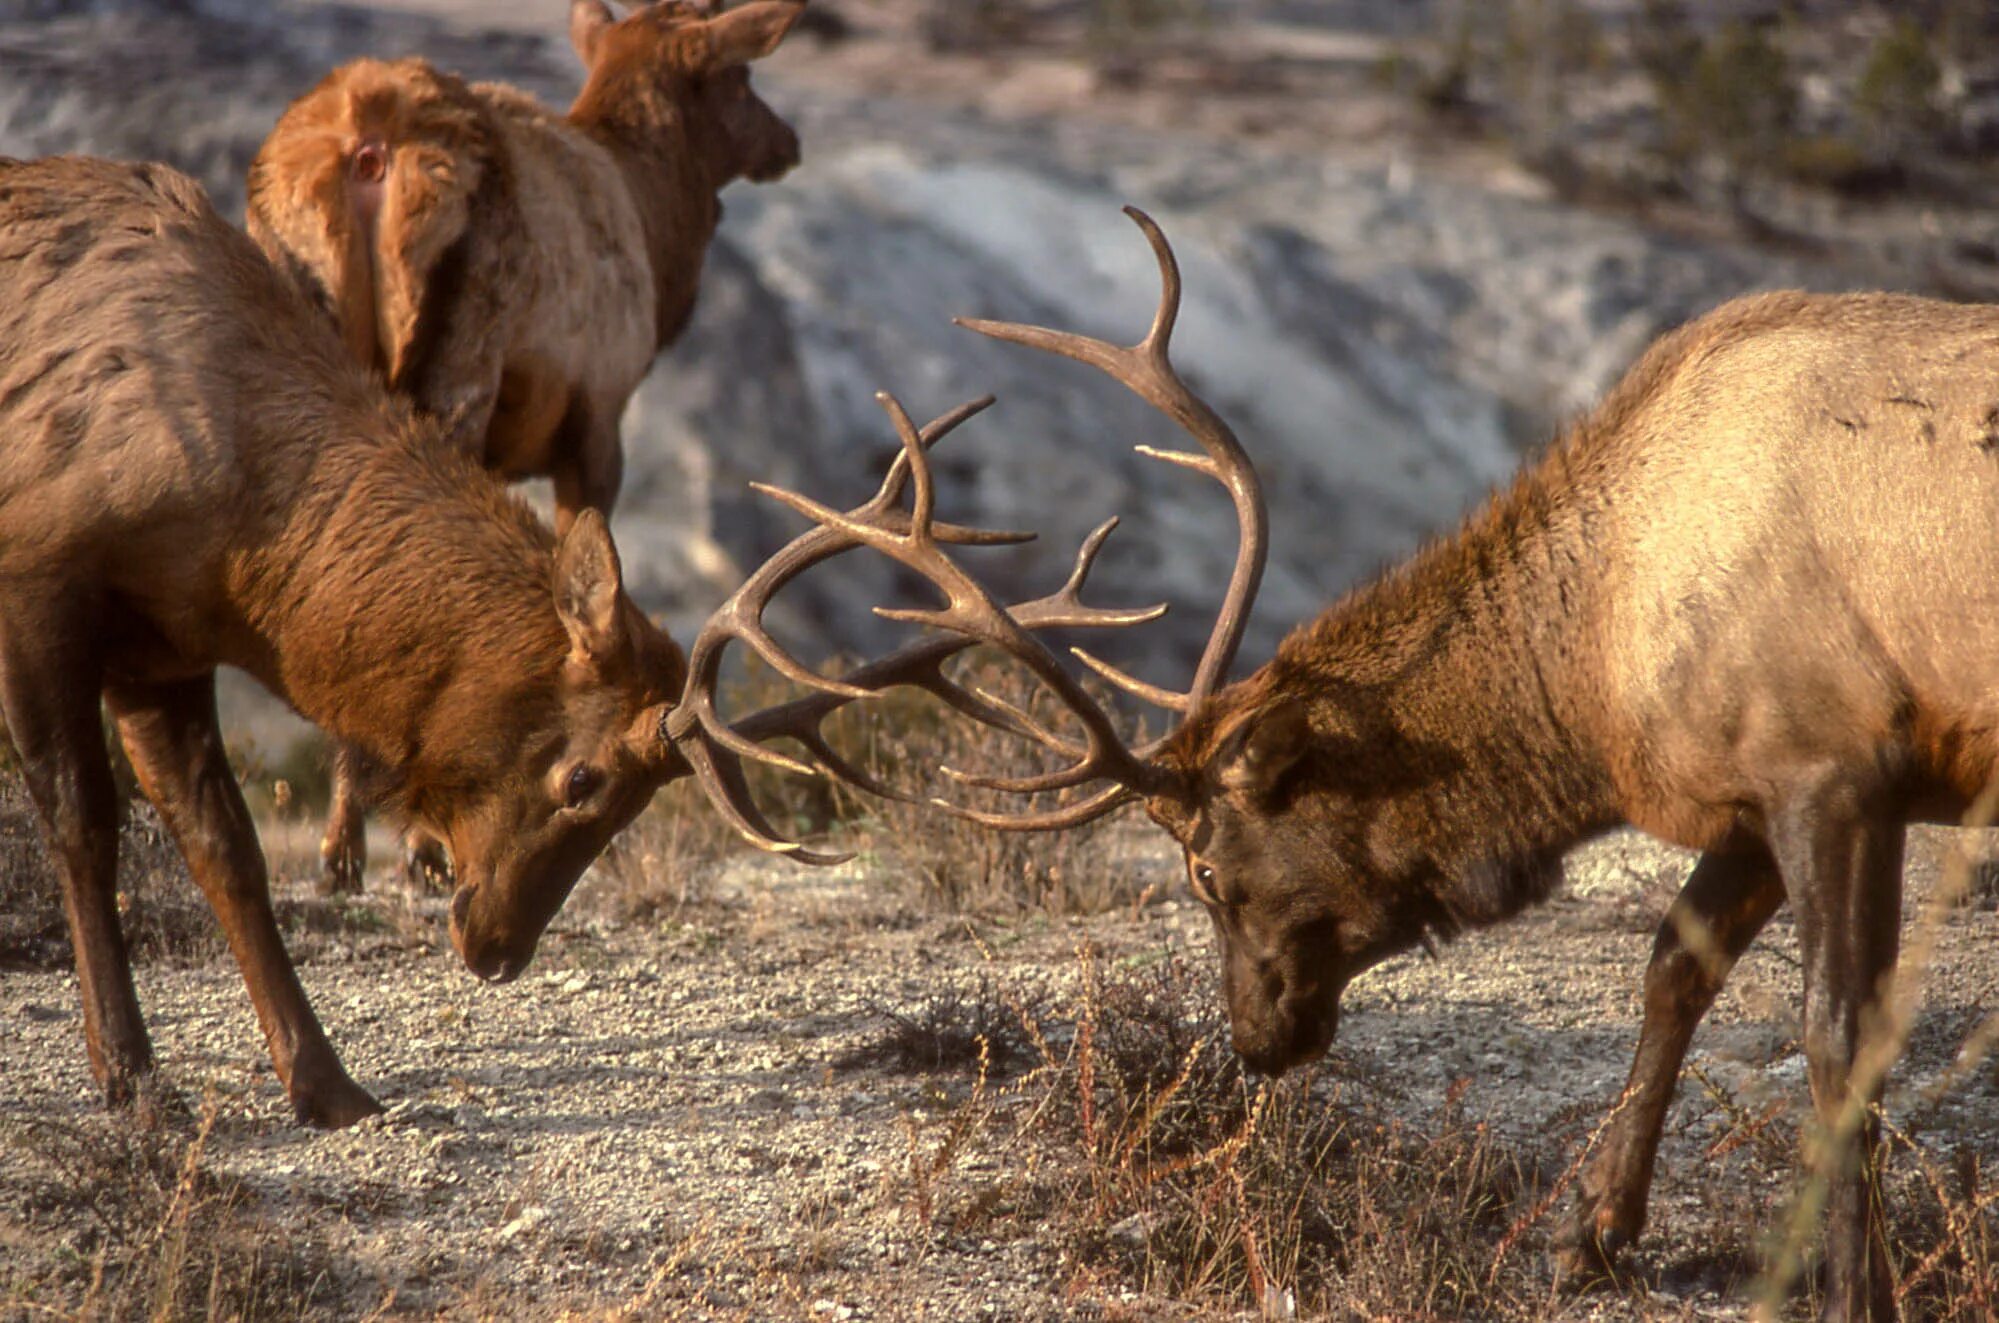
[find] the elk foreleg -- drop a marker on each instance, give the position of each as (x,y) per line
(49,692)
(174,740)
(1725,903)
(1840,851)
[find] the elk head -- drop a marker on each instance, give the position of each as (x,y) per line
(688,64)
(580,738)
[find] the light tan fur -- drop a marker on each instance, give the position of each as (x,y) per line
(1745,605)
(196,473)
(517,270)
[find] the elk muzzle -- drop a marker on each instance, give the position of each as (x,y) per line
(493,955)
(1278,1019)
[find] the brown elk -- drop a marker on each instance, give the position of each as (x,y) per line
(1740,605)
(196,473)
(512,271)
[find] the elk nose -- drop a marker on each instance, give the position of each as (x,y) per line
(484,958)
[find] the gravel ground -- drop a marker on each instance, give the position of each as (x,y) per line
(665,1119)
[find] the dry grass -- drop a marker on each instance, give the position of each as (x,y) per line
(1110,1121)
(164,916)
(1123,1132)
(121,1217)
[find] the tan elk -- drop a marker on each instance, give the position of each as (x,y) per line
(1742,605)
(511,270)
(196,473)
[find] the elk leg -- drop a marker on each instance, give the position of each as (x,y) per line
(50,697)
(174,740)
(426,863)
(1725,903)
(1840,851)
(588,462)
(343,852)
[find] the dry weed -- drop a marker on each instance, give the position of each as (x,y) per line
(135,1225)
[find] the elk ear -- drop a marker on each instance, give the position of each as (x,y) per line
(1262,747)
(587,583)
(589,20)
(751,32)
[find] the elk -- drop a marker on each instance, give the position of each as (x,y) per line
(196,473)
(1741,605)
(511,271)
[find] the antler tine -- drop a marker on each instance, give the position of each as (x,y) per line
(1147,370)
(729,791)
(1107,800)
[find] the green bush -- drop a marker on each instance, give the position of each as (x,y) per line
(1897,94)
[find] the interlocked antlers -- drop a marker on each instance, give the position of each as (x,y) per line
(715,748)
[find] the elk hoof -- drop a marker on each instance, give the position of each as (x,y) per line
(1587,1251)
(426,864)
(333,1103)
(340,867)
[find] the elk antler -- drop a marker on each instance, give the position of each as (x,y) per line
(714,749)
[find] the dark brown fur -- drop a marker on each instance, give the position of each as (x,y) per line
(1745,606)
(196,473)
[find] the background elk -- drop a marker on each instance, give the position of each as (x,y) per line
(196,473)
(1741,605)
(510,270)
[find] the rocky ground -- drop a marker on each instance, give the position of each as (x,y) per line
(759,1103)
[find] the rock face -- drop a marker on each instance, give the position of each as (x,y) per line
(1386,344)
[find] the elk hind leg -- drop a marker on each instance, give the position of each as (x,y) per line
(1839,845)
(343,851)
(174,739)
(587,466)
(49,694)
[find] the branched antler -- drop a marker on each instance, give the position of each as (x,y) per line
(715,749)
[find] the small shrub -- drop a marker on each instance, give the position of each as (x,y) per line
(1738,101)
(1154,1164)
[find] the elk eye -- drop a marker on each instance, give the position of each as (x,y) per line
(1204,881)
(579,786)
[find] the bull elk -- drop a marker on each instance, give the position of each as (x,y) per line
(512,271)
(1741,605)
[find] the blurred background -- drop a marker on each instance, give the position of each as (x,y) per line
(1418,234)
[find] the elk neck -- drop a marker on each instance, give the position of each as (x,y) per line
(400,599)
(647,135)
(1454,706)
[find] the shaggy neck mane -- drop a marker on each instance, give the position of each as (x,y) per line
(623,108)
(1452,704)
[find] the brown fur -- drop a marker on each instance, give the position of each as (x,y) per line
(196,473)
(516,271)
(1744,605)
